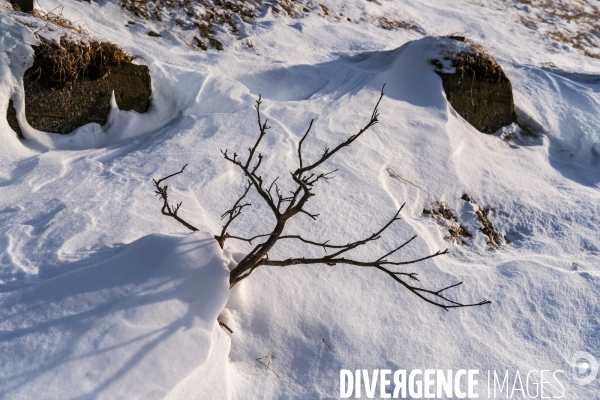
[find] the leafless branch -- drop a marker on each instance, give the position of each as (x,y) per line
(168,210)
(232,214)
(285,207)
(224,326)
(305,178)
(268,365)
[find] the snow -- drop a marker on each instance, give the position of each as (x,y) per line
(103,297)
(103,326)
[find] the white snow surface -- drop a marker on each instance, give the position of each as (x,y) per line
(103,297)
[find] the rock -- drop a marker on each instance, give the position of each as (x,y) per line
(11,116)
(62,109)
(22,5)
(479,90)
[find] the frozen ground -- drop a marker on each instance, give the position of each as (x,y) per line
(102,297)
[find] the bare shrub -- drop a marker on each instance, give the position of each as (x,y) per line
(287,204)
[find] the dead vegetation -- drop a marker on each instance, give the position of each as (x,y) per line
(476,62)
(390,24)
(394,175)
(75,56)
(527,133)
(572,22)
(496,239)
(205,16)
(285,204)
(53,20)
(446,218)
(440,209)
(56,18)
(212,20)
(458,232)
(59,64)
(526,129)
(268,359)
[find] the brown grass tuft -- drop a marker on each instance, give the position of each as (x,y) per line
(572,22)
(55,17)
(389,24)
(447,219)
(59,64)
(206,14)
(478,62)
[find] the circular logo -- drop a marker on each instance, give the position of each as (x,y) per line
(585,368)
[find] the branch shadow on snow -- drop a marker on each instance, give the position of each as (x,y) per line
(115,321)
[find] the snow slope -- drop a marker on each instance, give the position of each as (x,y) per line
(94,331)
(102,297)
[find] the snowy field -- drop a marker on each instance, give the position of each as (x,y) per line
(102,297)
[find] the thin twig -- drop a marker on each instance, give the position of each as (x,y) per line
(223,325)
(268,365)
(168,210)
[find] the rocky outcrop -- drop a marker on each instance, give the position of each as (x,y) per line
(70,84)
(479,90)
(11,117)
(22,5)
(61,110)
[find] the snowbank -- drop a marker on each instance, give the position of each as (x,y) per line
(133,326)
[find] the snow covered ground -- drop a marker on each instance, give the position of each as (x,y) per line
(103,297)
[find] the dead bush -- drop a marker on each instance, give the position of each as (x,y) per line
(285,204)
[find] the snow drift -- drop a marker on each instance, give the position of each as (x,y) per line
(130,327)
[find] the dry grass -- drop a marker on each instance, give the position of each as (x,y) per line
(476,62)
(446,218)
(442,210)
(208,17)
(55,17)
(212,19)
(205,15)
(59,64)
(390,24)
(572,22)
(324,9)
(459,233)
(526,129)
(75,56)
(495,238)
